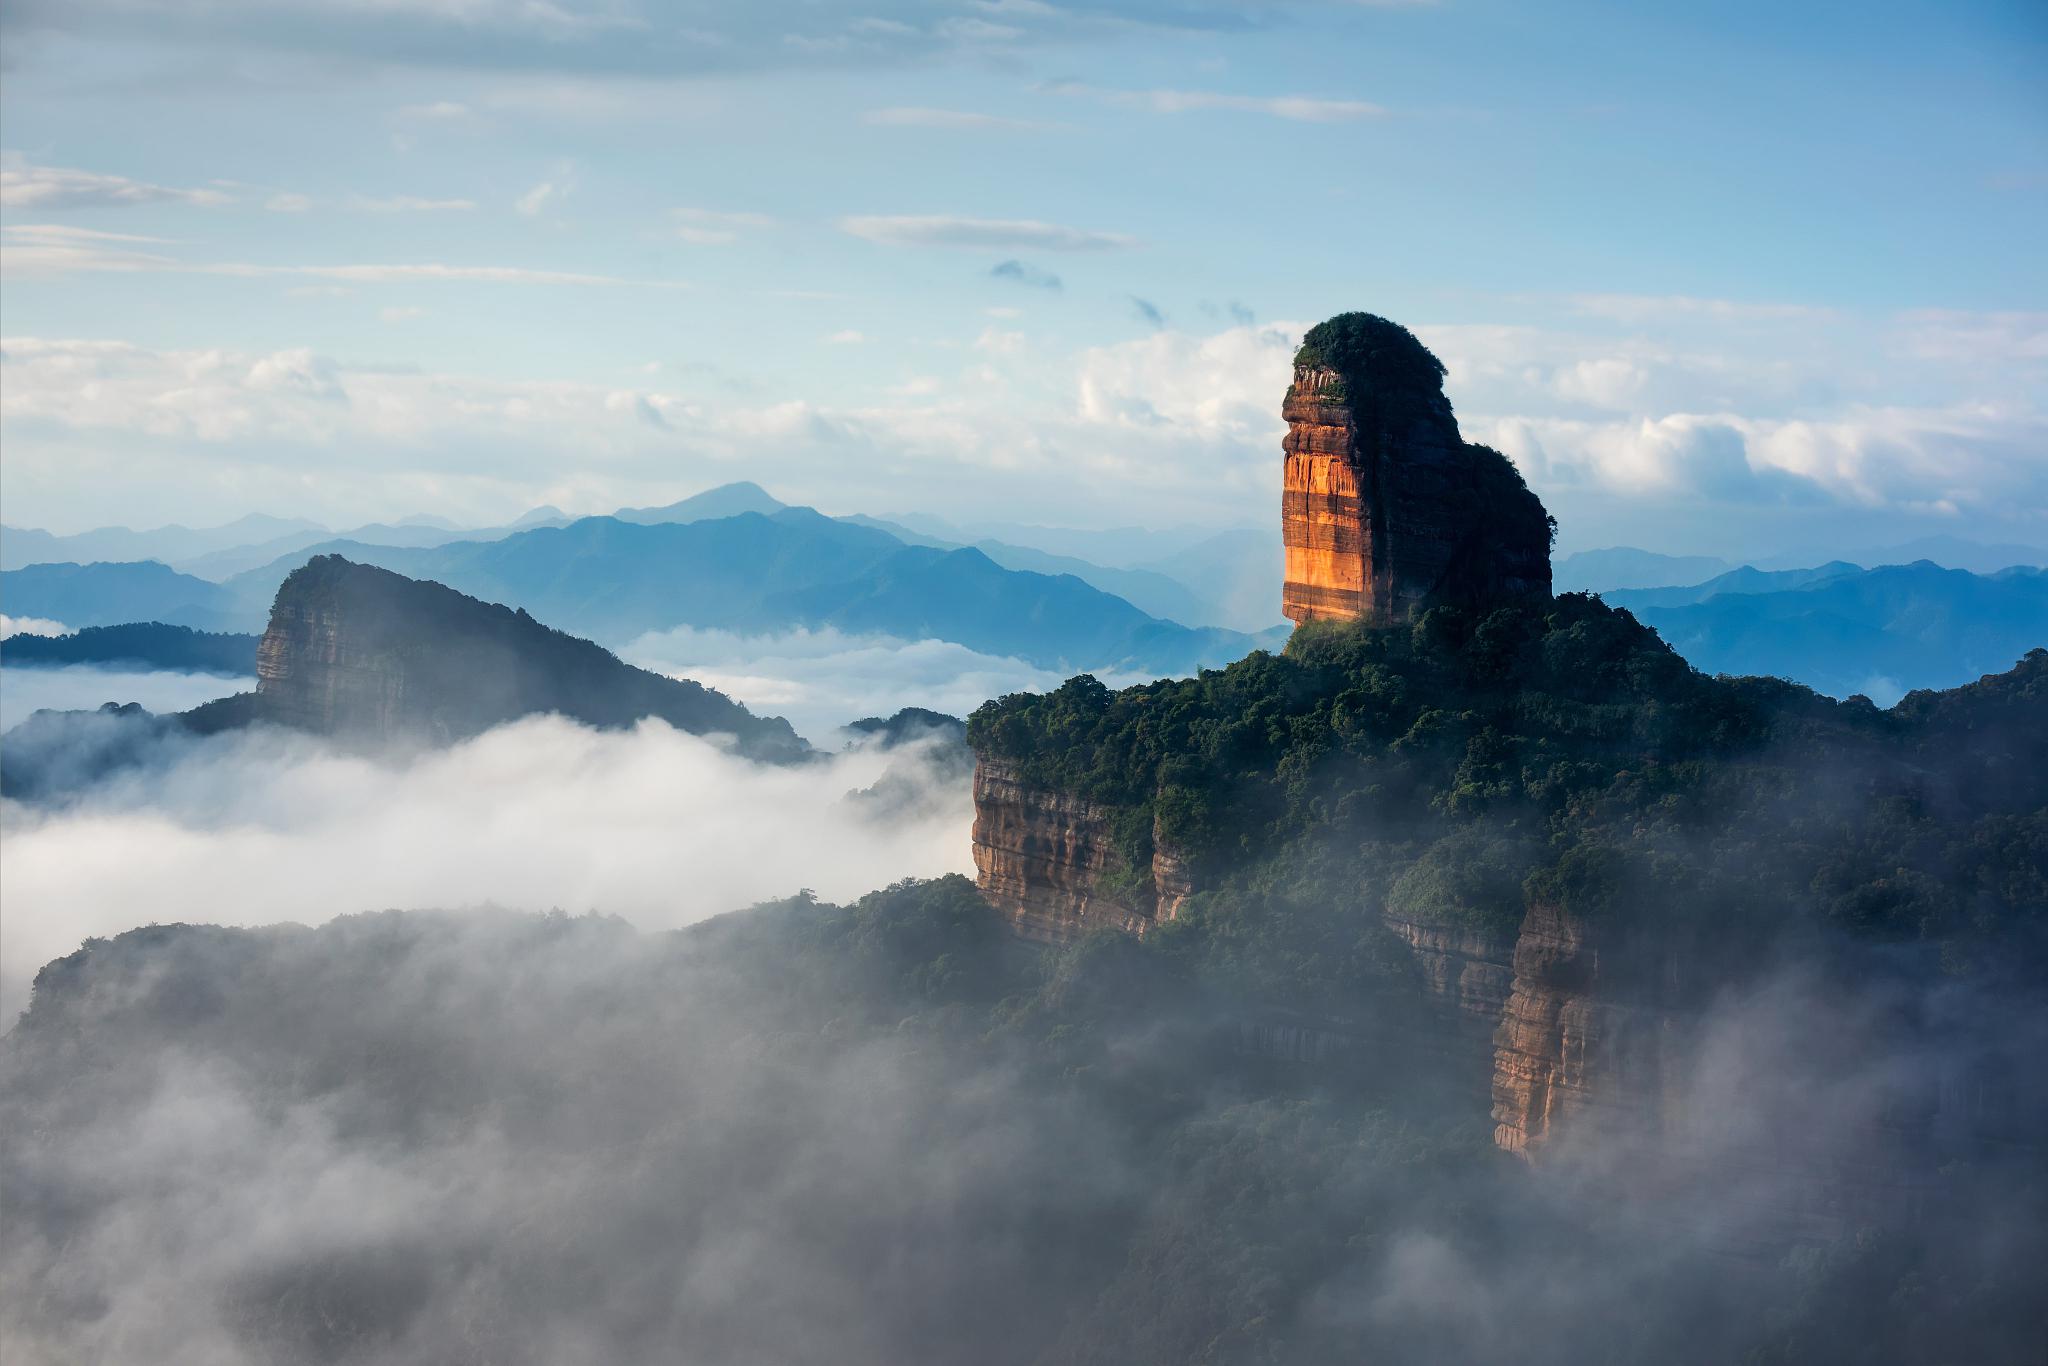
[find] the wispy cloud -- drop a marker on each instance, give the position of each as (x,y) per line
(1147,312)
(947,230)
(538,198)
(392,272)
(438,111)
(407,203)
(1300,108)
(44,249)
(1642,308)
(946,118)
(24,185)
(715,227)
(1019,273)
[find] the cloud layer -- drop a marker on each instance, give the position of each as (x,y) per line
(1619,426)
(653,825)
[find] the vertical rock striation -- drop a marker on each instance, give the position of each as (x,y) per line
(1385,509)
(1054,864)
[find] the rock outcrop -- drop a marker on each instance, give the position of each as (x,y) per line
(373,657)
(1580,1041)
(1055,865)
(1385,509)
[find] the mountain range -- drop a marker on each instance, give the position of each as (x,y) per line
(737,558)
(614,580)
(1844,630)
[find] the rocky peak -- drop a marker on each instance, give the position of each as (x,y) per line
(1386,510)
(371,656)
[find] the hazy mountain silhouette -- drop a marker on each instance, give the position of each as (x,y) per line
(109,594)
(1843,630)
(1624,566)
(615,580)
(147,644)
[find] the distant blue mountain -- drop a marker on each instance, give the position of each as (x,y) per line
(727,500)
(113,594)
(23,546)
(614,580)
(1624,566)
(1743,580)
(1843,630)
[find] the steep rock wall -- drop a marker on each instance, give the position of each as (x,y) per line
(314,672)
(1050,862)
(1466,975)
(376,658)
(1584,1038)
(1385,509)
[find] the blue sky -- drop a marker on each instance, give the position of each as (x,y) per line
(1735,279)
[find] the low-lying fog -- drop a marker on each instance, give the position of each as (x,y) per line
(83,687)
(823,679)
(653,825)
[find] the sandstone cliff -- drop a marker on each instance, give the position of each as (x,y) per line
(1058,865)
(1385,509)
(373,657)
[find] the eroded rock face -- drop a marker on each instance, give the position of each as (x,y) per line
(1050,862)
(1385,509)
(1578,1043)
(315,672)
(1467,974)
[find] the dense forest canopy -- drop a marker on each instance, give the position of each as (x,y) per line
(1553,750)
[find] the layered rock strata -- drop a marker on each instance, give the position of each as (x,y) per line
(1570,1049)
(1385,509)
(1051,863)
(1467,976)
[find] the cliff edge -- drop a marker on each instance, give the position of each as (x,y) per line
(370,656)
(1386,510)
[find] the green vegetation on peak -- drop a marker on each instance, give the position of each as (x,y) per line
(1372,354)
(1547,751)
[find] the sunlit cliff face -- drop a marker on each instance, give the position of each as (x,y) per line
(1385,509)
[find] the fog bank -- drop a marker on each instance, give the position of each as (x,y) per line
(656,826)
(822,679)
(84,687)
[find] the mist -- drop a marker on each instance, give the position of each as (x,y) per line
(820,680)
(511,1138)
(83,687)
(651,824)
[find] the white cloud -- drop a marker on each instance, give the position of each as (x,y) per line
(24,185)
(446,111)
(1298,108)
(288,203)
(653,825)
(847,337)
(995,341)
(1698,415)
(406,203)
(919,117)
(400,313)
(539,198)
(821,680)
(82,253)
(28,626)
(1645,308)
(946,230)
(715,227)
(84,687)
(978,31)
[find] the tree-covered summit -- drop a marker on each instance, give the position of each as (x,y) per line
(1553,750)
(1371,354)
